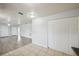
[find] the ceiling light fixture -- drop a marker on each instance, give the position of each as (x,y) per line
(32,15)
(9,21)
(20,13)
(8,24)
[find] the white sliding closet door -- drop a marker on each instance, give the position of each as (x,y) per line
(62,34)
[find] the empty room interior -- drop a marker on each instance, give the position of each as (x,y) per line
(39,29)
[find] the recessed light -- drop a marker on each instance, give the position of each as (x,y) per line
(8,24)
(31,14)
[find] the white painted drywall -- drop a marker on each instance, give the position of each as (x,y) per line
(14,30)
(3,31)
(62,34)
(39,32)
(26,30)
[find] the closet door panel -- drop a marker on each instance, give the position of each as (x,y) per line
(62,34)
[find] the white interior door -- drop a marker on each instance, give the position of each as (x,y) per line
(62,34)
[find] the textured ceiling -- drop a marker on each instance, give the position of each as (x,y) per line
(10,11)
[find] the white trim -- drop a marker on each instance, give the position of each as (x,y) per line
(39,44)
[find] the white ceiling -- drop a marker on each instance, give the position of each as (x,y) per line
(10,11)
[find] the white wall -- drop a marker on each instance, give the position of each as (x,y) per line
(4,31)
(69,31)
(26,30)
(39,32)
(7,31)
(62,34)
(14,30)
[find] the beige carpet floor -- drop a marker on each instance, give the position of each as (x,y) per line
(34,50)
